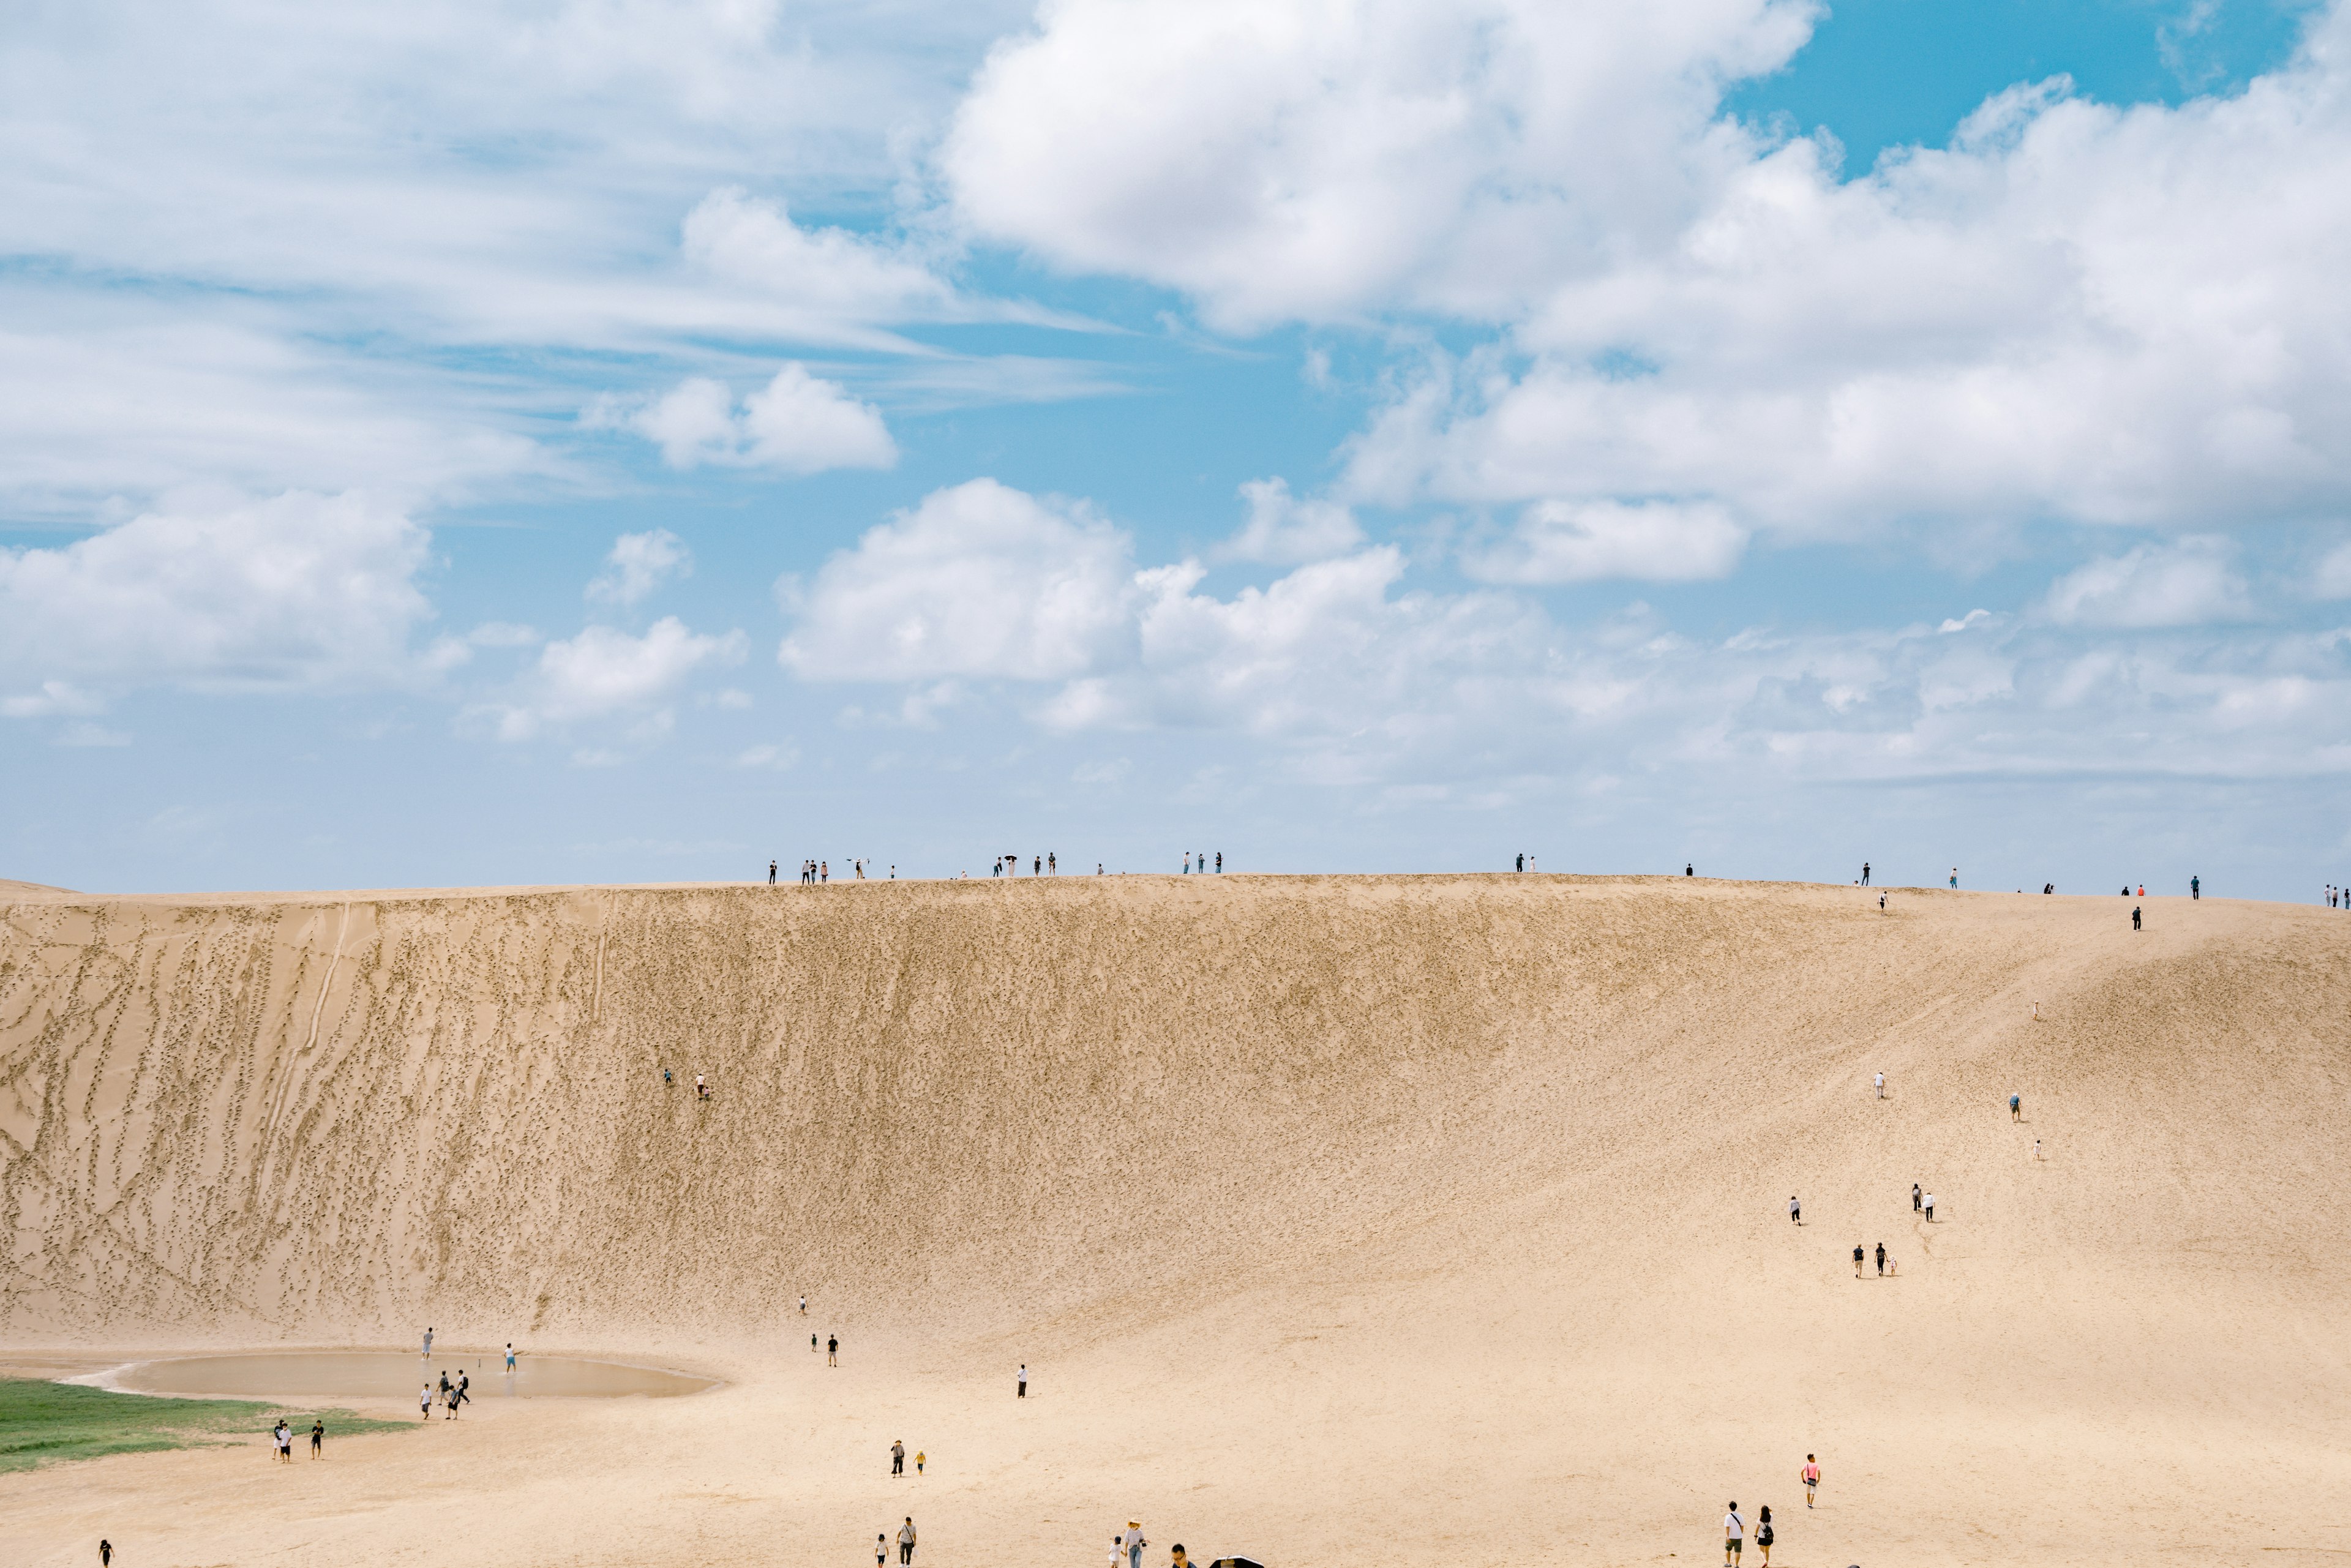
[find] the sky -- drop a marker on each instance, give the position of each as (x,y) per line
(561,441)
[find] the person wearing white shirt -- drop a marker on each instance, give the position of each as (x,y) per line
(1930,1208)
(1881,1086)
(1734,1534)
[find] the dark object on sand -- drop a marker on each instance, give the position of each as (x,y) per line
(1236,1562)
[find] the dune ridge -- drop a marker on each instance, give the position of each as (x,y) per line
(1454,1175)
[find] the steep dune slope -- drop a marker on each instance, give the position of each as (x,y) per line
(1465,1178)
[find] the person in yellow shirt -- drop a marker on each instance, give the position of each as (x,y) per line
(918,1461)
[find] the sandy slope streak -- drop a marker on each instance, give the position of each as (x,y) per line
(1428,1169)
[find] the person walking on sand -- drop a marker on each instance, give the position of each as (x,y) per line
(1881,1086)
(897,1458)
(1913,1197)
(2036,1148)
(1881,1259)
(105,1554)
(701,1088)
(1864,873)
(424,1402)
(918,1462)
(464,1386)
(2134,916)
(1734,1534)
(881,1549)
(428,1341)
(509,1358)
(1856,1259)
(1135,1543)
(803,1303)
(2016,1108)
(907,1539)
(1930,1208)
(1795,1209)
(1811,1474)
(812,1345)
(832,1350)
(1763,1534)
(318,1438)
(283,1435)
(1020,1384)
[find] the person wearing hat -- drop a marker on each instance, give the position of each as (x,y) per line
(1135,1543)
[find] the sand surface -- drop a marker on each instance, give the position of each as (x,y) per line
(1406,1220)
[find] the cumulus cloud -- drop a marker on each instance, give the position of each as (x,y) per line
(1565,541)
(1317,158)
(797,423)
(1357,679)
(976,581)
(638,564)
(2103,315)
(1284,529)
(604,673)
(2185,584)
(742,240)
(299,592)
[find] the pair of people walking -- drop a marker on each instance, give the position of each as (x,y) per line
(1860,1257)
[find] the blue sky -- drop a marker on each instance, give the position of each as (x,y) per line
(601,440)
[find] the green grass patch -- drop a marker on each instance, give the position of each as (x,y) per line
(49,1423)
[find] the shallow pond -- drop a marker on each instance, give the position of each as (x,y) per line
(396,1373)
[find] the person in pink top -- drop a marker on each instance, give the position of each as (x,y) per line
(1811,1476)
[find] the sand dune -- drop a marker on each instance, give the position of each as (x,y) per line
(1434,1219)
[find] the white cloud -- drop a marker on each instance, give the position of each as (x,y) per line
(831,272)
(2331,580)
(638,564)
(604,673)
(1316,158)
(303,590)
(53,698)
(797,423)
(770,758)
(1565,541)
(977,581)
(1285,529)
(2074,312)
(1355,679)
(2186,584)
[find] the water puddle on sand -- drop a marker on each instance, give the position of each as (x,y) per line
(395,1373)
